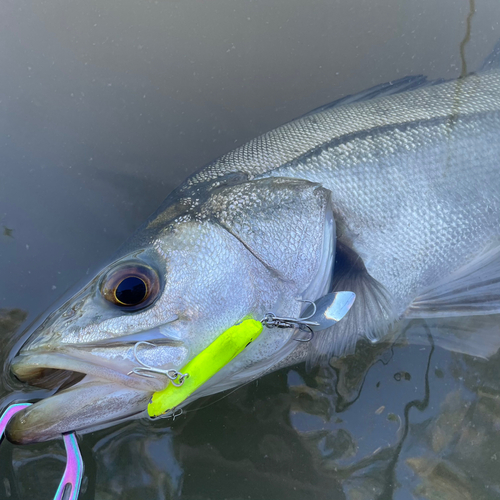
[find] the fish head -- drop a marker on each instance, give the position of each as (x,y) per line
(192,272)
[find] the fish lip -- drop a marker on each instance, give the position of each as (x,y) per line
(61,413)
(77,357)
(47,418)
(72,409)
(77,361)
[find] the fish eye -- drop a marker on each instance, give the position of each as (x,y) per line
(131,286)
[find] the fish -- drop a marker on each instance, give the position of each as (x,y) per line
(393,194)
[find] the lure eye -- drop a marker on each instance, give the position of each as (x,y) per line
(131,286)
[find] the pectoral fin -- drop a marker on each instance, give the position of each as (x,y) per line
(370,317)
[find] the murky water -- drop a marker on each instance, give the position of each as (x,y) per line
(107,106)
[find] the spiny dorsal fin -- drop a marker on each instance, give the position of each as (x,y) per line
(382,90)
(493,60)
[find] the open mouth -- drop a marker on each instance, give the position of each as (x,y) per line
(50,369)
(90,392)
(50,378)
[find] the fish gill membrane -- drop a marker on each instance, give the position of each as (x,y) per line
(393,194)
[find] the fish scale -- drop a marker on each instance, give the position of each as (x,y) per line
(410,174)
(470,96)
(389,221)
(401,192)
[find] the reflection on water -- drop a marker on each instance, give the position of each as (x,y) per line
(391,422)
(10,321)
(105,107)
(158,475)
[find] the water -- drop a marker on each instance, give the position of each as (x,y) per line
(107,106)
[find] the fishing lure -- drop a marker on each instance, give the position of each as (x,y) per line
(321,314)
(204,366)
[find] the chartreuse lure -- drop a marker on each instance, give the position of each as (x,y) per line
(321,314)
(204,366)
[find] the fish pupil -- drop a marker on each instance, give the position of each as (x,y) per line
(131,291)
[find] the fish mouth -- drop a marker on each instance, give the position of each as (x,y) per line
(90,393)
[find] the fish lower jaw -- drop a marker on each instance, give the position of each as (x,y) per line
(89,404)
(88,396)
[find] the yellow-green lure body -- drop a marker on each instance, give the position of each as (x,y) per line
(204,366)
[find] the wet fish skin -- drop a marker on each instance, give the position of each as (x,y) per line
(406,185)
(414,179)
(216,268)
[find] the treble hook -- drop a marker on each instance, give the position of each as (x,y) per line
(326,312)
(176,413)
(174,376)
(270,320)
(313,305)
(303,328)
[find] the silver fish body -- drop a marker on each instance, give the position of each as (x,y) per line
(396,198)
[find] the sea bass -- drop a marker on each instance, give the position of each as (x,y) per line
(393,194)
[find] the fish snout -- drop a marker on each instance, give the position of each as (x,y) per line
(83,407)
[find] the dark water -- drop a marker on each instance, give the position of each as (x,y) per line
(107,106)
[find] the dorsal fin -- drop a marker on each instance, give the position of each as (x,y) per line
(382,90)
(493,60)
